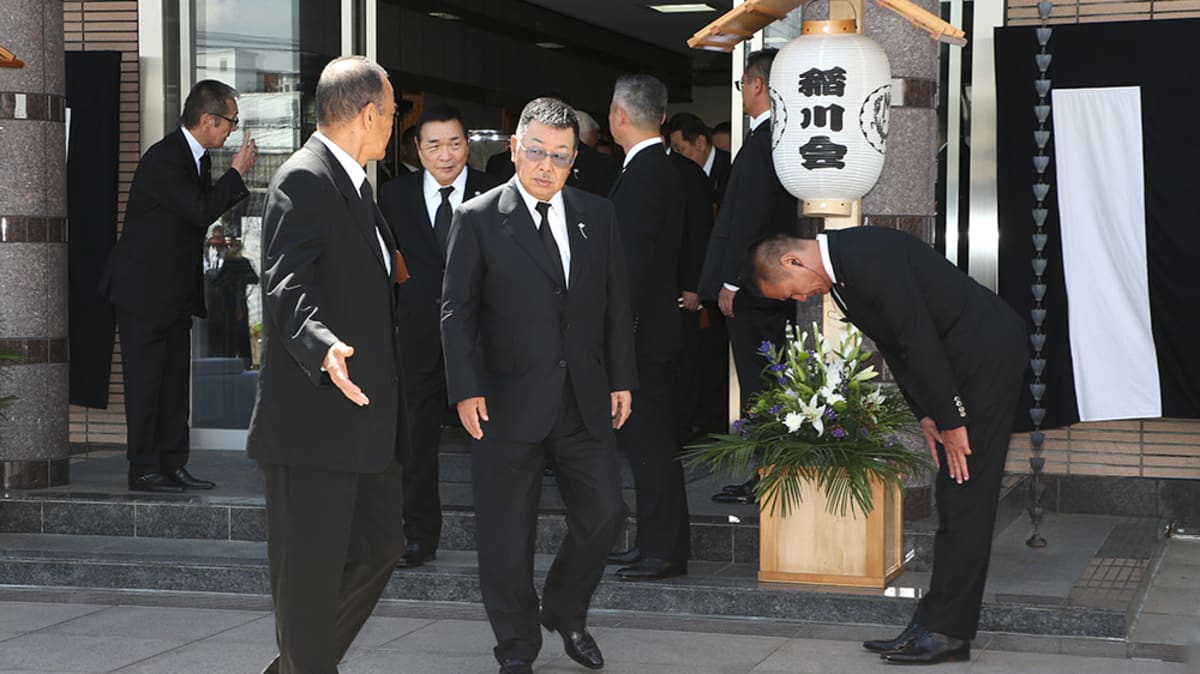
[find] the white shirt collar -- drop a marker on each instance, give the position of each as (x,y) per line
(531,202)
(432,187)
(197,149)
(639,147)
(708,163)
(823,244)
(353,170)
(766,114)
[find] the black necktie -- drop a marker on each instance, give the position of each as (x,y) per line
(368,196)
(441,220)
(548,241)
(206,170)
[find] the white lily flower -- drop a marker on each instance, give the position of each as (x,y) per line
(813,413)
(831,396)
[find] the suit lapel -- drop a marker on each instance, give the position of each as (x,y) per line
(517,223)
(421,220)
(577,234)
(363,220)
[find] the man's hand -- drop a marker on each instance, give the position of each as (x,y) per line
(622,406)
(335,365)
(691,301)
(725,301)
(245,157)
(957,449)
(470,412)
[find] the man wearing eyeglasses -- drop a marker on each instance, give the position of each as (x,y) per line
(417,207)
(537,329)
(154,279)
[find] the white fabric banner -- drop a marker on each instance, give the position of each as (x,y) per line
(1102,208)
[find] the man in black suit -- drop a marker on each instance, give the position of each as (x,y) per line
(329,430)
(720,136)
(689,137)
(154,280)
(593,171)
(649,202)
(755,205)
(538,334)
(958,353)
(419,207)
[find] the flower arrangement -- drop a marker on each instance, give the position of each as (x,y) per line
(818,419)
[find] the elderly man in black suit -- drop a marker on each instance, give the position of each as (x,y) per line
(958,353)
(649,202)
(755,205)
(690,137)
(328,430)
(419,206)
(538,336)
(154,279)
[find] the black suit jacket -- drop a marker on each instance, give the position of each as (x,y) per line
(419,299)
(648,199)
(511,333)
(155,270)
(593,171)
(699,202)
(933,324)
(719,177)
(324,280)
(500,165)
(755,205)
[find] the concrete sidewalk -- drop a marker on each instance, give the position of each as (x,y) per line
(169,633)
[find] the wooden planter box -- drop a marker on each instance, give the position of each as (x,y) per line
(811,545)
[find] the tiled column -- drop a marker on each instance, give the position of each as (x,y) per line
(33,248)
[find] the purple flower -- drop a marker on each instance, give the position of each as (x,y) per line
(765,347)
(838,433)
(738,424)
(891,441)
(782,381)
(778,367)
(830,414)
(775,410)
(862,430)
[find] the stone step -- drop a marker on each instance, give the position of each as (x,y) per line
(710,589)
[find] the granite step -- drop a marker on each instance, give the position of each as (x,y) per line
(710,589)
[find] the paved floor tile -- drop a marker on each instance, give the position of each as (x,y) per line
(720,652)
(53,653)
(18,617)
(1173,600)
(207,657)
(258,631)
(393,662)
(381,630)
(809,656)
(994,662)
(147,622)
(1161,628)
(448,638)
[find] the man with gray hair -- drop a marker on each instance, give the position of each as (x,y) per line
(649,202)
(329,429)
(538,339)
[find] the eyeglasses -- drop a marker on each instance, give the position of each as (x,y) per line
(560,160)
(232,120)
(738,84)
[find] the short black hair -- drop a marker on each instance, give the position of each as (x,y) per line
(553,113)
(345,86)
(689,126)
(207,97)
(409,134)
(758,63)
(758,264)
(439,112)
(721,127)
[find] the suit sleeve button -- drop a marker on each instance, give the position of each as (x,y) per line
(558,291)
(562,363)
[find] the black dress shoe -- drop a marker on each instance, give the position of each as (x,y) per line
(627,557)
(515,666)
(904,639)
(154,482)
(183,478)
(930,648)
(580,647)
(649,568)
(747,486)
(416,554)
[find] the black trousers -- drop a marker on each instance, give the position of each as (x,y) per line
(650,439)
(156,362)
(702,378)
(967,511)
(506,476)
(755,321)
(426,398)
(333,540)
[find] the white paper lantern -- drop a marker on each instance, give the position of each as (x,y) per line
(830,102)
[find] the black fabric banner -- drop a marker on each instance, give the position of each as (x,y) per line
(93,87)
(1160,58)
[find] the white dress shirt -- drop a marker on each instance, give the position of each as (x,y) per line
(558,225)
(823,244)
(708,163)
(196,147)
(433,195)
(639,147)
(358,177)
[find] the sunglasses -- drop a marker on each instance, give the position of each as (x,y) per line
(560,160)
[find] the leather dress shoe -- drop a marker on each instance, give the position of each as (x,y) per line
(627,557)
(579,646)
(748,485)
(930,648)
(904,639)
(183,478)
(649,568)
(515,666)
(154,482)
(416,554)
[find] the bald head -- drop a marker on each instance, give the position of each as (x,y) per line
(346,85)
